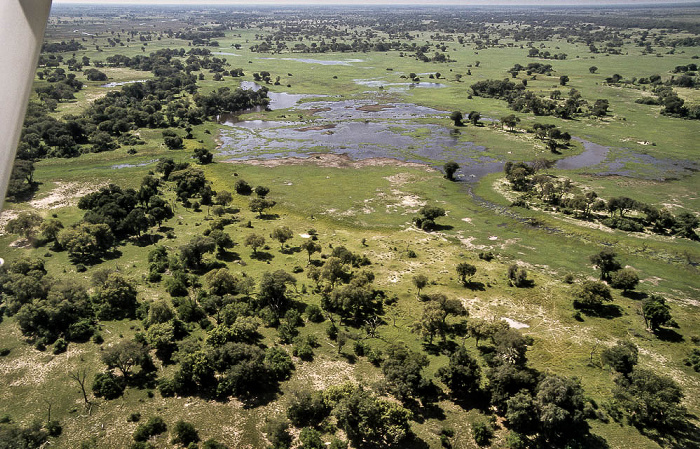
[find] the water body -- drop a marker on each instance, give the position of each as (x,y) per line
(365,129)
(224,53)
(403,86)
(141,164)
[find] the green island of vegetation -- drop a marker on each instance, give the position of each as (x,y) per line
(356,227)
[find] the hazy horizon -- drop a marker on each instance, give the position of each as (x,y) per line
(389,2)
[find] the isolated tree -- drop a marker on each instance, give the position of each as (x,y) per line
(593,69)
(450,168)
(474,118)
(517,276)
(625,279)
(222,240)
(509,121)
(310,247)
(457,117)
(282,234)
(255,241)
(656,312)
(591,294)
(420,281)
(242,187)
(465,269)
(185,434)
(563,80)
(606,261)
(80,376)
(259,205)
(223,197)
(262,191)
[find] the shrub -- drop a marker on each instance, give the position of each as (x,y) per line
(185,433)
(482,433)
(60,346)
(314,313)
(154,426)
(107,385)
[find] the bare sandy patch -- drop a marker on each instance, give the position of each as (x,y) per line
(65,194)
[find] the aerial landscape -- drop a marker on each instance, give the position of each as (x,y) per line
(367,226)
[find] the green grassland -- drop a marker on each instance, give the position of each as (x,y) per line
(369,210)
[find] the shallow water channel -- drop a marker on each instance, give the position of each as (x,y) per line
(364,129)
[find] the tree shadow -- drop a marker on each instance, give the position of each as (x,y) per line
(147,240)
(475,285)
(439,227)
(290,250)
(268,216)
(479,400)
(229,256)
(262,256)
(669,335)
(637,296)
(684,435)
(607,311)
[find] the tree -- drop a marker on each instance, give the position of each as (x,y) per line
(80,376)
(462,375)
(282,234)
(25,225)
(307,408)
(203,156)
(403,371)
(272,291)
(191,254)
(517,276)
(124,356)
(509,121)
(622,357)
(259,205)
(480,329)
(310,247)
(278,433)
(656,312)
(450,168)
(559,403)
(116,298)
(456,117)
(474,118)
(135,222)
(592,294)
(625,279)
(563,80)
(606,261)
(223,197)
(650,400)
(255,241)
(222,240)
(311,439)
(242,187)
(593,69)
(262,191)
(86,241)
(465,269)
(50,229)
(420,281)
(429,213)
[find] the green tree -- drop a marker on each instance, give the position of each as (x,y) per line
(310,247)
(656,312)
(222,240)
(282,234)
(622,357)
(625,279)
(559,403)
(203,156)
(262,191)
(191,254)
(592,294)
(607,262)
(255,241)
(420,281)
(457,117)
(116,298)
(462,375)
(465,269)
(563,80)
(25,225)
(185,434)
(259,205)
(403,371)
(474,118)
(450,168)
(124,356)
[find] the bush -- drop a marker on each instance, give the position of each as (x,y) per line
(54,428)
(185,433)
(154,426)
(314,313)
(107,385)
(311,439)
(482,433)
(60,346)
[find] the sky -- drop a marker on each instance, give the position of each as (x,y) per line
(381,2)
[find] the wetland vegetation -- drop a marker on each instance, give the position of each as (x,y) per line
(356,227)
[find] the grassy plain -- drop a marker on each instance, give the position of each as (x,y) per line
(375,205)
